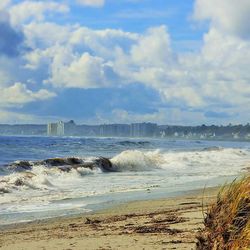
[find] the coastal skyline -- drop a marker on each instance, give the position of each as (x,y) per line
(125,61)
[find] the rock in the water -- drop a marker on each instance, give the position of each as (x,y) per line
(20,166)
(105,165)
(74,161)
(65,164)
(55,162)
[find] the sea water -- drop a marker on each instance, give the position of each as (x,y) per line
(146,168)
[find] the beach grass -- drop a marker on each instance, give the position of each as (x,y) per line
(227,221)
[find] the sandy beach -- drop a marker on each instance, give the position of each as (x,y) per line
(169,223)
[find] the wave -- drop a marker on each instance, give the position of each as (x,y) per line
(44,175)
(36,174)
(22,181)
(135,160)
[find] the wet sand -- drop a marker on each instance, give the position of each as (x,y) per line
(169,223)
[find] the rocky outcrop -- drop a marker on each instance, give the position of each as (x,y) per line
(20,166)
(64,164)
(105,165)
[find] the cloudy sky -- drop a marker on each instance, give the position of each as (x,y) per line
(121,61)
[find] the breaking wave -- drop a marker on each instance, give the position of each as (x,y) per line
(44,175)
(135,160)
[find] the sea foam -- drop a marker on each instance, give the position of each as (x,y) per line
(210,160)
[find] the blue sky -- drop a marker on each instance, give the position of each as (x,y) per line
(96,61)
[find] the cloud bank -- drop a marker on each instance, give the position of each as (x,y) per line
(208,85)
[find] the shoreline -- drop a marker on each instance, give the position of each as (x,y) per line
(150,224)
(109,207)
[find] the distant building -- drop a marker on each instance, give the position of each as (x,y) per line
(60,128)
(55,129)
(143,129)
(236,132)
(52,129)
(115,130)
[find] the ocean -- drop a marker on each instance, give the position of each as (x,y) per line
(145,168)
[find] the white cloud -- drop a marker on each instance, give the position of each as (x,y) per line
(153,48)
(102,42)
(91,3)
(4,4)
(230,16)
(103,58)
(85,71)
(18,94)
(34,10)
(67,56)
(81,57)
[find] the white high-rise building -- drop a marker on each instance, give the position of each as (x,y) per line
(55,129)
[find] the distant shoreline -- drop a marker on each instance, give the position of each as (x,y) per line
(134,138)
(134,130)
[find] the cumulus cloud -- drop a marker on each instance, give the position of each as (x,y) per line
(91,3)
(84,61)
(34,10)
(229,16)
(102,42)
(85,71)
(107,58)
(152,48)
(201,84)
(18,94)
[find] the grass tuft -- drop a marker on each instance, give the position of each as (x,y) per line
(227,221)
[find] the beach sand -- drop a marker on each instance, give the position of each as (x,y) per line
(169,223)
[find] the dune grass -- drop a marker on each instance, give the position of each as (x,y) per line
(227,221)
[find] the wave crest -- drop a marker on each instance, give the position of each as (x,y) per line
(135,160)
(47,174)
(24,180)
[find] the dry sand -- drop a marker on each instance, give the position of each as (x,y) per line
(154,224)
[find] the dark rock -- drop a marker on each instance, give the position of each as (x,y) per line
(4,190)
(54,162)
(105,165)
(89,165)
(19,182)
(74,161)
(65,168)
(20,166)
(65,164)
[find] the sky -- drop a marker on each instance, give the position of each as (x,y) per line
(123,61)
